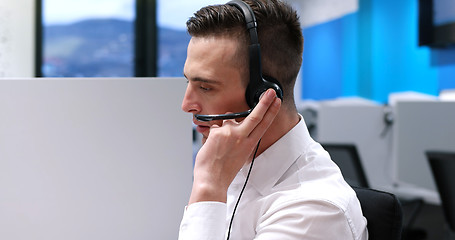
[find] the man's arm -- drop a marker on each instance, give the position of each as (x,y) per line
(227,149)
(311,220)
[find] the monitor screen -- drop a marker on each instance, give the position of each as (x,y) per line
(436,23)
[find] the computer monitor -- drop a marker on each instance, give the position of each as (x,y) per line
(93,158)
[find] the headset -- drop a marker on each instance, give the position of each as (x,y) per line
(258,83)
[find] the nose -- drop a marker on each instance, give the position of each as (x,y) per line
(190,103)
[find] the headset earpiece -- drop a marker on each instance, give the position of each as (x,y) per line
(254,91)
(272,83)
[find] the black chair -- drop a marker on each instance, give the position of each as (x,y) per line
(348,160)
(443,168)
(346,156)
(383,213)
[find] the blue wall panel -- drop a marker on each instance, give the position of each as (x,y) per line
(399,64)
(373,53)
(349,60)
(322,73)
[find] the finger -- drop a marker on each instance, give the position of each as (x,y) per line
(229,121)
(255,117)
(267,120)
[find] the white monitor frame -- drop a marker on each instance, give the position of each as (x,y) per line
(93,158)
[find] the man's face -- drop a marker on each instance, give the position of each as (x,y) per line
(214,78)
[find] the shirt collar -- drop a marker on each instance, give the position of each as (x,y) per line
(275,160)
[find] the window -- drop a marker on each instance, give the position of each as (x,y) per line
(172,36)
(113,38)
(88,38)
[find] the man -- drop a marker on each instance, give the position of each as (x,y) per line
(294,191)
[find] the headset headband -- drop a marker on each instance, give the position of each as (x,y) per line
(254,51)
(250,19)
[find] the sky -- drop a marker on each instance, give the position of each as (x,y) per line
(175,13)
(171,13)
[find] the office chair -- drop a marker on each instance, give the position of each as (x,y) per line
(383,213)
(443,168)
(347,158)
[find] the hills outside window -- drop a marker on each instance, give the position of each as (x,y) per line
(88,38)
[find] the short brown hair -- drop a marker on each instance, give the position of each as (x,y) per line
(280,36)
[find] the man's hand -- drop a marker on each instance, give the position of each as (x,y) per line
(228,147)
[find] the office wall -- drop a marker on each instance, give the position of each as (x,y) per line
(17,38)
(372,53)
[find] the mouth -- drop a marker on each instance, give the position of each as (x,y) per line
(200,128)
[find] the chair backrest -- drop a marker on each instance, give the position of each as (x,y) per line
(347,158)
(443,168)
(383,213)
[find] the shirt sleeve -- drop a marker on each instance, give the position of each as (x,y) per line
(316,220)
(203,220)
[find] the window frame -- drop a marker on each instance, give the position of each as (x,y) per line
(145,35)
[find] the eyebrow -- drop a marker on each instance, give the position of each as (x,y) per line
(204,80)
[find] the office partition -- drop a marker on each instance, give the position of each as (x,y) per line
(93,158)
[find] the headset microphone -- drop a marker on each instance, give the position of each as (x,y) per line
(207,118)
(258,83)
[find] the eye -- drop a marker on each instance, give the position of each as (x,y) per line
(204,88)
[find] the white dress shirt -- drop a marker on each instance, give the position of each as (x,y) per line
(295,191)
